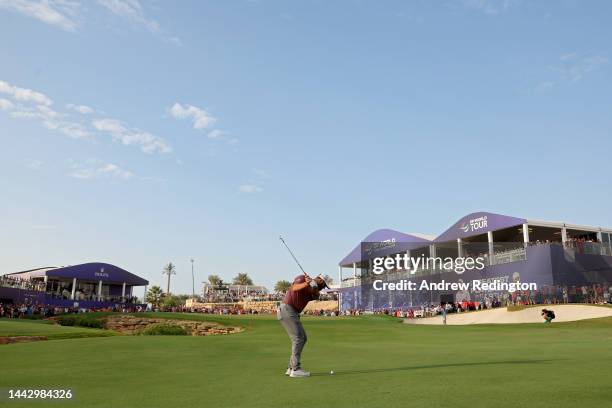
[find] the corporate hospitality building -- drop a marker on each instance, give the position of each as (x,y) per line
(89,285)
(567,261)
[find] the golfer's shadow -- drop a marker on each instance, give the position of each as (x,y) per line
(430,366)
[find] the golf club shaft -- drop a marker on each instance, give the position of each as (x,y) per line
(294,258)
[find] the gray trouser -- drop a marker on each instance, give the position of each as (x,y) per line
(290,319)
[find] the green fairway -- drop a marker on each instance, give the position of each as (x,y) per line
(12,327)
(378,362)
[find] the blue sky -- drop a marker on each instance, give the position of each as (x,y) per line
(138,133)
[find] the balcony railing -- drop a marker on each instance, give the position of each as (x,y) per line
(23,284)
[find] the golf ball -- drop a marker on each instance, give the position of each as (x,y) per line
(332,372)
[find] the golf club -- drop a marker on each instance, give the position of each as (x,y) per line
(294,258)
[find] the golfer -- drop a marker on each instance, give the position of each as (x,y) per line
(548,315)
(303,290)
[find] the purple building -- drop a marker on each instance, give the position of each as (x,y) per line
(90,285)
(561,258)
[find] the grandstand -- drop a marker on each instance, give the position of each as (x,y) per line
(250,299)
(223,292)
(562,259)
(89,285)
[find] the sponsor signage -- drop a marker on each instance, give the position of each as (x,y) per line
(474,224)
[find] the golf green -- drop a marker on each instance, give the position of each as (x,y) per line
(377,362)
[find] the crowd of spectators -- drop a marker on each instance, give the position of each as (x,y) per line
(236,293)
(218,310)
(63,292)
(593,294)
(25,310)
(322,312)
(28,310)
(559,294)
(9,281)
(587,246)
(252,296)
(66,294)
(583,245)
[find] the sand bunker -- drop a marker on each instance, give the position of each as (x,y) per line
(564,313)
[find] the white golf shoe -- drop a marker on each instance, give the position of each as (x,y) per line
(288,372)
(299,373)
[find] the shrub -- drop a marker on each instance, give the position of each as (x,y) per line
(80,320)
(164,329)
(33,317)
(90,322)
(67,320)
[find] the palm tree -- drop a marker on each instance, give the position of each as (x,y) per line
(172,301)
(243,279)
(154,296)
(169,270)
(214,280)
(282,286)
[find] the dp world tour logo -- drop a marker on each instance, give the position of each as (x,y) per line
(474,224)
(377,246)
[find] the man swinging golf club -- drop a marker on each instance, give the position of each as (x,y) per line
(303,290)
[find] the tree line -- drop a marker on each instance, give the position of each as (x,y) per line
(156,296)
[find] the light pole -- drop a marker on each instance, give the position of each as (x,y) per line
(192,280)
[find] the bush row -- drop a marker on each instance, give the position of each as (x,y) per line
(80,320)
(164,329)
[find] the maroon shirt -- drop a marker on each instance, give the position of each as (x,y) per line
(298,299)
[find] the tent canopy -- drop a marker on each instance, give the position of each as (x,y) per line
(478,223)
(396,242)
(94,271)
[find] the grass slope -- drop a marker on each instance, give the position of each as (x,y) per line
(378,363)
(11,327)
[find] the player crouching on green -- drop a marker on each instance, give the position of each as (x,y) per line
(303,290)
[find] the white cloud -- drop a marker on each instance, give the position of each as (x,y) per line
(41,112)
(255,184)
(132,12)
(85,110)
(97,169)
(24,113)
(59,13)
(47,112)
(147,142)
(491,7)
(201,119)
(250,188)
(5,104)
(216,134)
(33,105)
(68,14)
(33,164)
(113,170)
(574,66)
(24,94)
(70,129)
